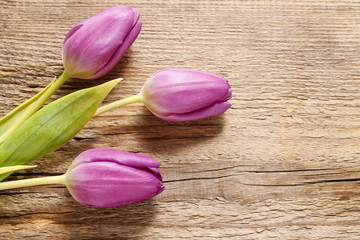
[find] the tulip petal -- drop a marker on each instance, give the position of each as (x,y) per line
(72,31)
(213,110)
(180,91)
(108,184)
(227,96)
(117,156)
(157,173)
(129,40)
(96,42)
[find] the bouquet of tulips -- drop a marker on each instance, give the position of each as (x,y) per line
(103,178)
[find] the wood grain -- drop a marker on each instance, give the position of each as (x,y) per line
(282,163)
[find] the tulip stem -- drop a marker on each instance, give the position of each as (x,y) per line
(32,182)
(119,103)
(55,86)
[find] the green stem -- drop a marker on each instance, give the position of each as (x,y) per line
(55,86)
(119,103)
(32,182)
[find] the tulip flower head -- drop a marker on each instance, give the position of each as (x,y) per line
(184,95)
(104,178)
(93,47)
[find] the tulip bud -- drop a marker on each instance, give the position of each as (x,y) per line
(183,95)
(104,178)
(93,47)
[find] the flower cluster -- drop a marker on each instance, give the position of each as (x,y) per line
(103,178)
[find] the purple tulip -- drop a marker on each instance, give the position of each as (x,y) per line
(183,95)
(104,178)
(93,47)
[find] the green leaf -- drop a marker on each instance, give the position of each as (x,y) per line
(10,122)
(52,126)
(14,118)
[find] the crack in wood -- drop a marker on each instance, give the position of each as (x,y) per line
(198,179)
(36,213)
(304,183)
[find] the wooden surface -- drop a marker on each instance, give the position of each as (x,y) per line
(282,163)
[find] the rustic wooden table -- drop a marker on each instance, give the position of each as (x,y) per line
(282,163)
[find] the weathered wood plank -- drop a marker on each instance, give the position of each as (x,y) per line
(282,163)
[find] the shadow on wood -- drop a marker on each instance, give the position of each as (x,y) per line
(132,219)
(172,136)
